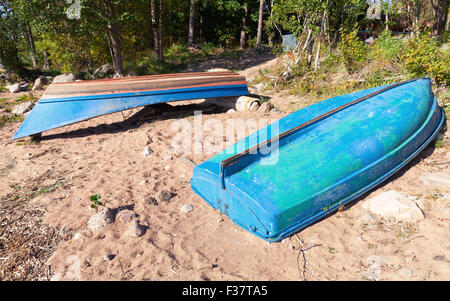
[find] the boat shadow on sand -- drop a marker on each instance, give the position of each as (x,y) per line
(146,115)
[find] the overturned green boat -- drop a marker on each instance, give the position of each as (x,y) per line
(294,172)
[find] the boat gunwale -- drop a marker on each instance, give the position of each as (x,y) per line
(231,160)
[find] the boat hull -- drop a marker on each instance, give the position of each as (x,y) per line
(68,103)
(333,152)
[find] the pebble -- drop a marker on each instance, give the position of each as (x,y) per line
(187,208)
(135,230)
(265,107)
(126,216)
(57,277)
(151,201)
(109,257)
(147,152)
(165,195)
(77,236)
(167,167)
(231,111)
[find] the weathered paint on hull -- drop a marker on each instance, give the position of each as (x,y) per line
(68,103)
(322,165)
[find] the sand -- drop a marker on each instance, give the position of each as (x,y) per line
(104,156)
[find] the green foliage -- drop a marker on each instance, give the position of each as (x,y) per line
(10,118)
(424,57)
(95,202)
(387,47)
(26,98)
(353,51)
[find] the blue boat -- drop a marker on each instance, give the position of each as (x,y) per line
(66,103)
(310,163)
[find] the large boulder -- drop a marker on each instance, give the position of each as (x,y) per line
(65,78)
(392,204)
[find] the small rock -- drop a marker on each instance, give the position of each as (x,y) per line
(266,107)
(135,230)
(57,277)
(147,152)
(39,83)
(395,205)
(15,88)
(151,201)
(231,111)
(126,216)
(165,196)
(167,158)
(99,220)
(64,78)
(439,258)
(435,179)
(167,167)
(143,182)
(109,257)
(23,108)
(187,208)
(77,236)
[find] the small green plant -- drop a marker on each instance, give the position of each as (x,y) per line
(26,98)
(9,119)
(332,250)
(95,202)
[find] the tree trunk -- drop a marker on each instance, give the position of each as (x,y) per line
(46,65)
(416,17)
(116,49)
(29,37)
(154,28)
(191,24)
(260,24)
(243,38)
(440,15)
(160,52)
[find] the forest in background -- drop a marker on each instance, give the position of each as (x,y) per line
(158,36)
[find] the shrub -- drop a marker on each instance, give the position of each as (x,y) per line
(423,57)
(353,51)
(387,47)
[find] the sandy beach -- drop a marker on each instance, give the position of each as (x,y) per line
(52,180)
